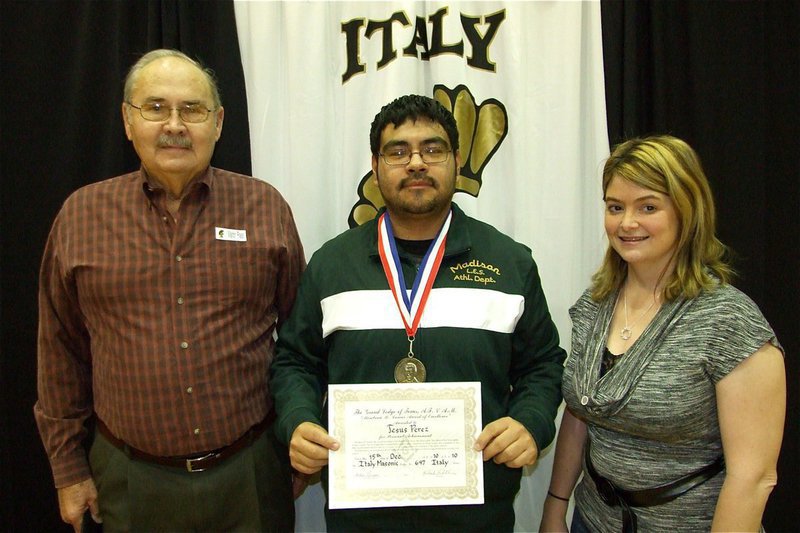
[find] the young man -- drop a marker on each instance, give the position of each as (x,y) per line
(494,328)
(159,294)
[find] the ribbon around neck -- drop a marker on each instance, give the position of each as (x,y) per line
(410,307)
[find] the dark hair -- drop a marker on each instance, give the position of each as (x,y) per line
(412,107)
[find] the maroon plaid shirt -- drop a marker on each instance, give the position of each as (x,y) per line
(163,329)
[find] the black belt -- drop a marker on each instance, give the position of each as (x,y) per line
(614,496)
(192,463)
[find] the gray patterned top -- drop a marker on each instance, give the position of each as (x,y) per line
(653,417)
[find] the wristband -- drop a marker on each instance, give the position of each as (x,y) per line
(557,497)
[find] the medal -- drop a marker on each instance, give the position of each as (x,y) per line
(410,369)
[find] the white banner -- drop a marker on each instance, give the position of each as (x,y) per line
(525,81)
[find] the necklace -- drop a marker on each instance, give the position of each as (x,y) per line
(625,332)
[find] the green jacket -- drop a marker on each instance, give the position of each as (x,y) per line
(499,333)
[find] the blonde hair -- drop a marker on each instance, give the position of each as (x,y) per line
(668,165)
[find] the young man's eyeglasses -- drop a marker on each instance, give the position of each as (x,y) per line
(401,155)
(158,112)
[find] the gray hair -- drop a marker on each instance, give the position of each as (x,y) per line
(153,55)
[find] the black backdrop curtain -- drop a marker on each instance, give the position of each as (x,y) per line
(725,76)
(62,68)
(722,75)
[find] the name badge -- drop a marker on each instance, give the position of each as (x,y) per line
(227,234)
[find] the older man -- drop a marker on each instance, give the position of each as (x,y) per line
(497,330)
(160,291)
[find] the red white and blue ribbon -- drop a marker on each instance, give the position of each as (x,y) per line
(410,306)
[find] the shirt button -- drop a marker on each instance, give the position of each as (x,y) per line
(196,431)
(189,390)
(185,345)
(164,219)
(178,258)
(180,300)
(584,400)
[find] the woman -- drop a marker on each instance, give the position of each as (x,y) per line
(671,367)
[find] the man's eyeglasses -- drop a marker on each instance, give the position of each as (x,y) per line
(158,112)
(402,156)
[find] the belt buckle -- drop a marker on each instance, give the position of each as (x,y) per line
(190,463)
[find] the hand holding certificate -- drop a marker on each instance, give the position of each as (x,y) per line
(405,444)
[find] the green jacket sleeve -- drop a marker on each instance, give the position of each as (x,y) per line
(299,371)
(537,366)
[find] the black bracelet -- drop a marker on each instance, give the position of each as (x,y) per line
(557,497)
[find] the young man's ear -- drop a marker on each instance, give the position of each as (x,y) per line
(375,169)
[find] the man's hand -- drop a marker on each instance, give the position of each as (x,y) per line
(507,442)
(75,499)
(308,449)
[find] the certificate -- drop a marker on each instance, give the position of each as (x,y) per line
(405,444)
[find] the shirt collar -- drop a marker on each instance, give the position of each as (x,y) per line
(150,185)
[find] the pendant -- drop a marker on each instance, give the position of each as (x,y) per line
(625,333)
(409,370)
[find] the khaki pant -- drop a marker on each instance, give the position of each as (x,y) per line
(250,491)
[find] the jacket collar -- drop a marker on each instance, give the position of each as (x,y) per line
(458,237)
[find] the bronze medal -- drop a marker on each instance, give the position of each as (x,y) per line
(409,370)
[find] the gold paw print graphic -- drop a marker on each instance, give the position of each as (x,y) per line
(481,130)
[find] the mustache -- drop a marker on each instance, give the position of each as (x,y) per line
(427,180)
(179,141)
